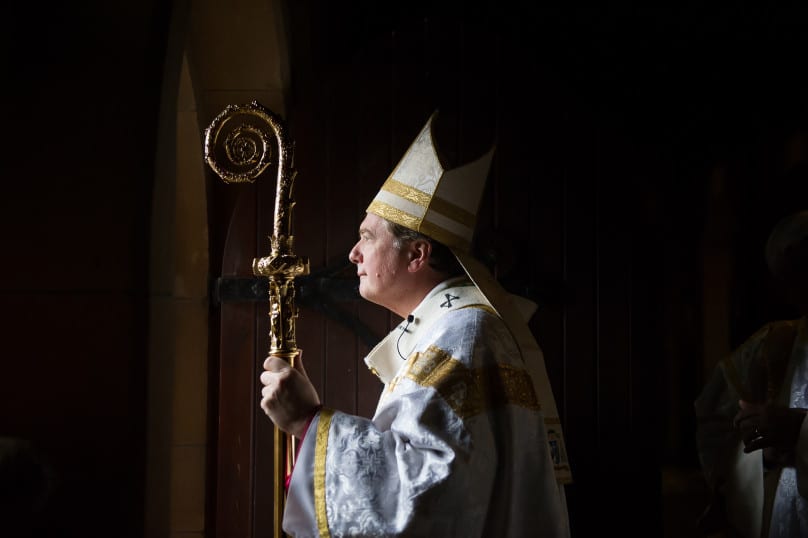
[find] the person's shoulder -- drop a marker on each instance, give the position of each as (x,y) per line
(772,330)
(782,332)
(480,313)
(469,323)
(472,334)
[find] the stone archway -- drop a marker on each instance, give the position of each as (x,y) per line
(218,54)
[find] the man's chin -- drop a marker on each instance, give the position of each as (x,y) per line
(369,296)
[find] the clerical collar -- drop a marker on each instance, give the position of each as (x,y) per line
(385,359)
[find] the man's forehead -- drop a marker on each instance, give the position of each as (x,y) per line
(372,223)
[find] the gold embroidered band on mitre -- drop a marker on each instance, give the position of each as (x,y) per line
(399,216)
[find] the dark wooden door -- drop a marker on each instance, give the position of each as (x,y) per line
(569,219)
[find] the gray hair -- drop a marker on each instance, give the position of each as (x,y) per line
(441,259)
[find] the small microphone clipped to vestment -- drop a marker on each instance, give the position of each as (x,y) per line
(410,319)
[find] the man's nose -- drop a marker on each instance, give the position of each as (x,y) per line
(353,255)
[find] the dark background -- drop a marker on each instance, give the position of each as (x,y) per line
(654,118)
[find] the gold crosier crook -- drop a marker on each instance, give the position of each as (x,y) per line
(238,138)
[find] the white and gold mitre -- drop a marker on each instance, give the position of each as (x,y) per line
(423,196)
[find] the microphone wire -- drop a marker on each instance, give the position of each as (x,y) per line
(410,319)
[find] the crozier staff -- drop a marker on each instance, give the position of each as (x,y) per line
(459,442)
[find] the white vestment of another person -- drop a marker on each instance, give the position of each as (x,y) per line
(757,495)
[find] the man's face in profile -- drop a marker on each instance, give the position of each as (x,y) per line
(378,261)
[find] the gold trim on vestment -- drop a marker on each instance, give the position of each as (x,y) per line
(470,392)
(320,450)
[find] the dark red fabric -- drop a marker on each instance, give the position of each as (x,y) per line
(300,442)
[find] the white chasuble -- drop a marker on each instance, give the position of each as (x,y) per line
(742,481)
(457,447)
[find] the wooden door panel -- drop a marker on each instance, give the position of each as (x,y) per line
(553,225)
(237,398)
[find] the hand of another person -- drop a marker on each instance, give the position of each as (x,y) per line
(769,426)
(288,397)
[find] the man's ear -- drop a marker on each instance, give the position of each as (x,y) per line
(419,252)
